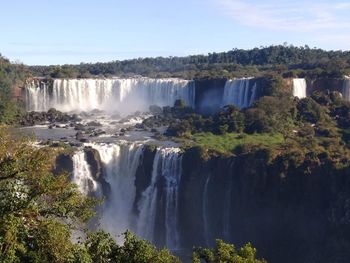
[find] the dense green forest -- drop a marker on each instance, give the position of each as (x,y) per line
(282,59)
(10,76)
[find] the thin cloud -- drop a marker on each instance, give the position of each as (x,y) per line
(342,6)
(296,17)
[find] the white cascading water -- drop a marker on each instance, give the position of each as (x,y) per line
(82,175)
(205,205)
(109,94)
(37,95)
(299,88)
(167,166)
(240,92)
(120,162)
(346,89)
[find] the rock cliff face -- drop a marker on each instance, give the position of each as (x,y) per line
(209,94)
(63,164)
(94,160)
(327,84)
(320,84)
(291,211)
(291,214)
(143,174)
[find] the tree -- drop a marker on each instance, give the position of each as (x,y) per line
(100,247)
(271,114)
(226,253)
(38,210)
(229,119)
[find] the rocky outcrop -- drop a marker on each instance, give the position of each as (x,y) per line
(94,160)
(324,84)
(63,164)
(51,116)
(144,173)
(209,94)
(320,84)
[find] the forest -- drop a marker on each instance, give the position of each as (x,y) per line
(283,59)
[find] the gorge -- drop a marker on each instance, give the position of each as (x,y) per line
(180,197)
(235,156)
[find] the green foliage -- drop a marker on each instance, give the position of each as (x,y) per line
(271,114)
(274,85)
(35,205)
(230,119)
(100,247)
(9,111)
(310,111)
(10,75)
(268,115)
(283,59)
(227,143)
(226,253)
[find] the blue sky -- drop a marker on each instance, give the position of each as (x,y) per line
(46,32)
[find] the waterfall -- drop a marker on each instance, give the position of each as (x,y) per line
(37,96)
(82,176)
(227,212)
(120,162)
(205,204)
(240,92)
(164,186)
(346,89)
(299,88)
(124,95)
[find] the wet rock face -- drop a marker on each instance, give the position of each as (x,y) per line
(79,135)
(154,109)
(51,116)
(209,94)
(278,207)
(323,84)
(144,173)
(94,124)
(94,160)
(64,164)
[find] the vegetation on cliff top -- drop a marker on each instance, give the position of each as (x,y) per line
(282,59)
(318,124)
(227,143)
